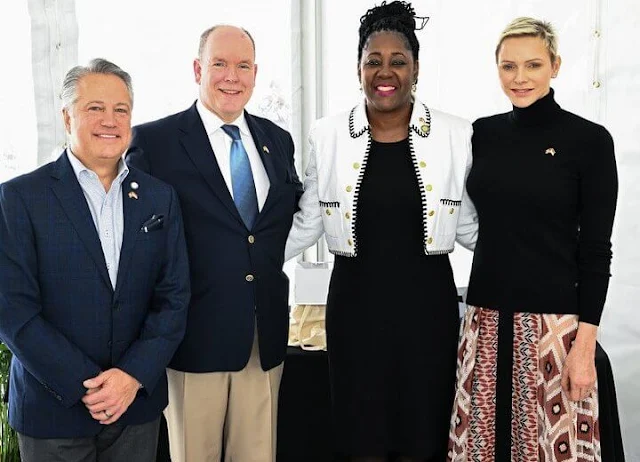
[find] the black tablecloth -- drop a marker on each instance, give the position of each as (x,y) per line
(304,431)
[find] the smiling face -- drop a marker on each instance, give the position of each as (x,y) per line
(386,72)
(98,123)
(226,72)
(525,69)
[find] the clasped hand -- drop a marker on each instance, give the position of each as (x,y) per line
(109,395)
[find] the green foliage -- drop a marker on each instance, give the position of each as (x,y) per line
(8,439)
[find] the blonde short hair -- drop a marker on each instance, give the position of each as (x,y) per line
(530,27)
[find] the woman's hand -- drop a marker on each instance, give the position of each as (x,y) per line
(579,371)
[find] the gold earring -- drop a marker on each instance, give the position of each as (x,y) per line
(414,87)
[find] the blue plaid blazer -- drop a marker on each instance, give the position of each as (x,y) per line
(61,317)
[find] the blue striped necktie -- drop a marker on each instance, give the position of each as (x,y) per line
(244,189)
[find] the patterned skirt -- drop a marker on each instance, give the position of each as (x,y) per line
(509,404)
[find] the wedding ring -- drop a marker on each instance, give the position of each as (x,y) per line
(107,414)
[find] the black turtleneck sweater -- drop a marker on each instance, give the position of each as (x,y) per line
(544,184)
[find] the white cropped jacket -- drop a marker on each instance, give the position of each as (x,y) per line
(441,152)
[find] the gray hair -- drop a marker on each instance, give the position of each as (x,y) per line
(205,36)
(69,92)
(531,27)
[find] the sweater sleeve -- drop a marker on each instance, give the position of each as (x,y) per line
(598,195)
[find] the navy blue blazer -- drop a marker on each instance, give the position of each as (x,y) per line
(59,314)
(236,273)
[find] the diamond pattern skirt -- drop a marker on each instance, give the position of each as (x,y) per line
(509,403)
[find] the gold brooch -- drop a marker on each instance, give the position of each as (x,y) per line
(550,151)
(133,195)
(265,149)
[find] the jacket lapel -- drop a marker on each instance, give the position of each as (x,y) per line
(351,164)
(72,200)
(267,150)
(197,146)
(133,211)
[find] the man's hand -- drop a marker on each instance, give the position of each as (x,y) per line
(109,395)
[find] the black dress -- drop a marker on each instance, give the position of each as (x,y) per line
(392,322)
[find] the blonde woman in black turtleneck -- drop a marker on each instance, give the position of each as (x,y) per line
(544,184)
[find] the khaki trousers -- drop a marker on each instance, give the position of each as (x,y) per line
(234,410)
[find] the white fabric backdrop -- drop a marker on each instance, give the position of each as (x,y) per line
(54,33)
(18,135)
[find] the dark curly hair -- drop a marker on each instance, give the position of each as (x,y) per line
(397,16)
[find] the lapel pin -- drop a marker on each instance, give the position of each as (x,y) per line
(550,151)
(133,195)
(134,185)
(265,149)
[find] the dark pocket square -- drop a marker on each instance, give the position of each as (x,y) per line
(152,224)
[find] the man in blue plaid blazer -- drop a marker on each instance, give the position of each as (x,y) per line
(94,286)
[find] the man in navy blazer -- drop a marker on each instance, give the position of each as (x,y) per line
(225,376)
(94,286)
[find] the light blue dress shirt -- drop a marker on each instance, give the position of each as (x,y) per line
(106,210)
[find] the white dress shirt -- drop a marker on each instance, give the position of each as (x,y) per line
(221,145)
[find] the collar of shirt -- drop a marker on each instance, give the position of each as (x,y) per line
(212,122)
(79,168)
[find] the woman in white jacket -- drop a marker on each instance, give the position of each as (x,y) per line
(386,185)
